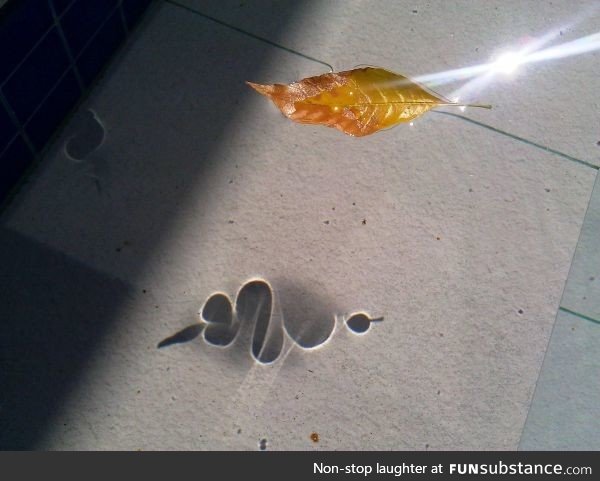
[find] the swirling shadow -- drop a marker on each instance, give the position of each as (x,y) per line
(261,316)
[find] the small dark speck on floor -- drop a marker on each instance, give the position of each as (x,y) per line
(572,329)
(441,334)
(326,222)
(598,143)
(310,370)
(230,181)
(592,278)
(314,437)
(231,222)
(438,238)
(439,392)
(144,291)
(547,189)
(415,11)
(520,311)
(364,222)
(262,444)
(470,190)
(239,431)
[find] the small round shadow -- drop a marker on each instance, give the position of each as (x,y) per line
(358,323)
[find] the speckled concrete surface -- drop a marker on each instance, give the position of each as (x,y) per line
(460,237)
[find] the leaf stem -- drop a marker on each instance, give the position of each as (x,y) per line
(434,104)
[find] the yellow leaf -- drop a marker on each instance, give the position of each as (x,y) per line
(358,102)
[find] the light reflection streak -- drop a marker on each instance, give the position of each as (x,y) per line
(508,63)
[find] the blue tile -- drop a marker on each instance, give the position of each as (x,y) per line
(22,24)
(35,78)
(97,53)
(82,20)
(133,9)
(50,115)
(13,163)
(61,5)
(7,128)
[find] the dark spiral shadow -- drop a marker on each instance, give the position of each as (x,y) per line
(261,317)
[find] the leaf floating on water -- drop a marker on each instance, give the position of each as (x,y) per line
(358,102)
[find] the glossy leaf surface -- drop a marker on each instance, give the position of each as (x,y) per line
(358,102)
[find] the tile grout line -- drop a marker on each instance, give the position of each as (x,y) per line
(560,308)
(245,32)
(35,45)
(521,139)
(66,46)
(64,74)
(578,315)
(100,27)
(4,101)
(47,96)
(123,19)
(20,127)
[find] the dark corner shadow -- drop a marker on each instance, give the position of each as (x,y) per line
(53,310)
(52,313)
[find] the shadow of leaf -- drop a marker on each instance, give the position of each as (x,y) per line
(187,334)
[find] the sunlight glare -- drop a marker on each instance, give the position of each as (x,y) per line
(507,63)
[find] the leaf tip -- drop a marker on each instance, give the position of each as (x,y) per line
(260,88)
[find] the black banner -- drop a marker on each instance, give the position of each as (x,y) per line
(300,465)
